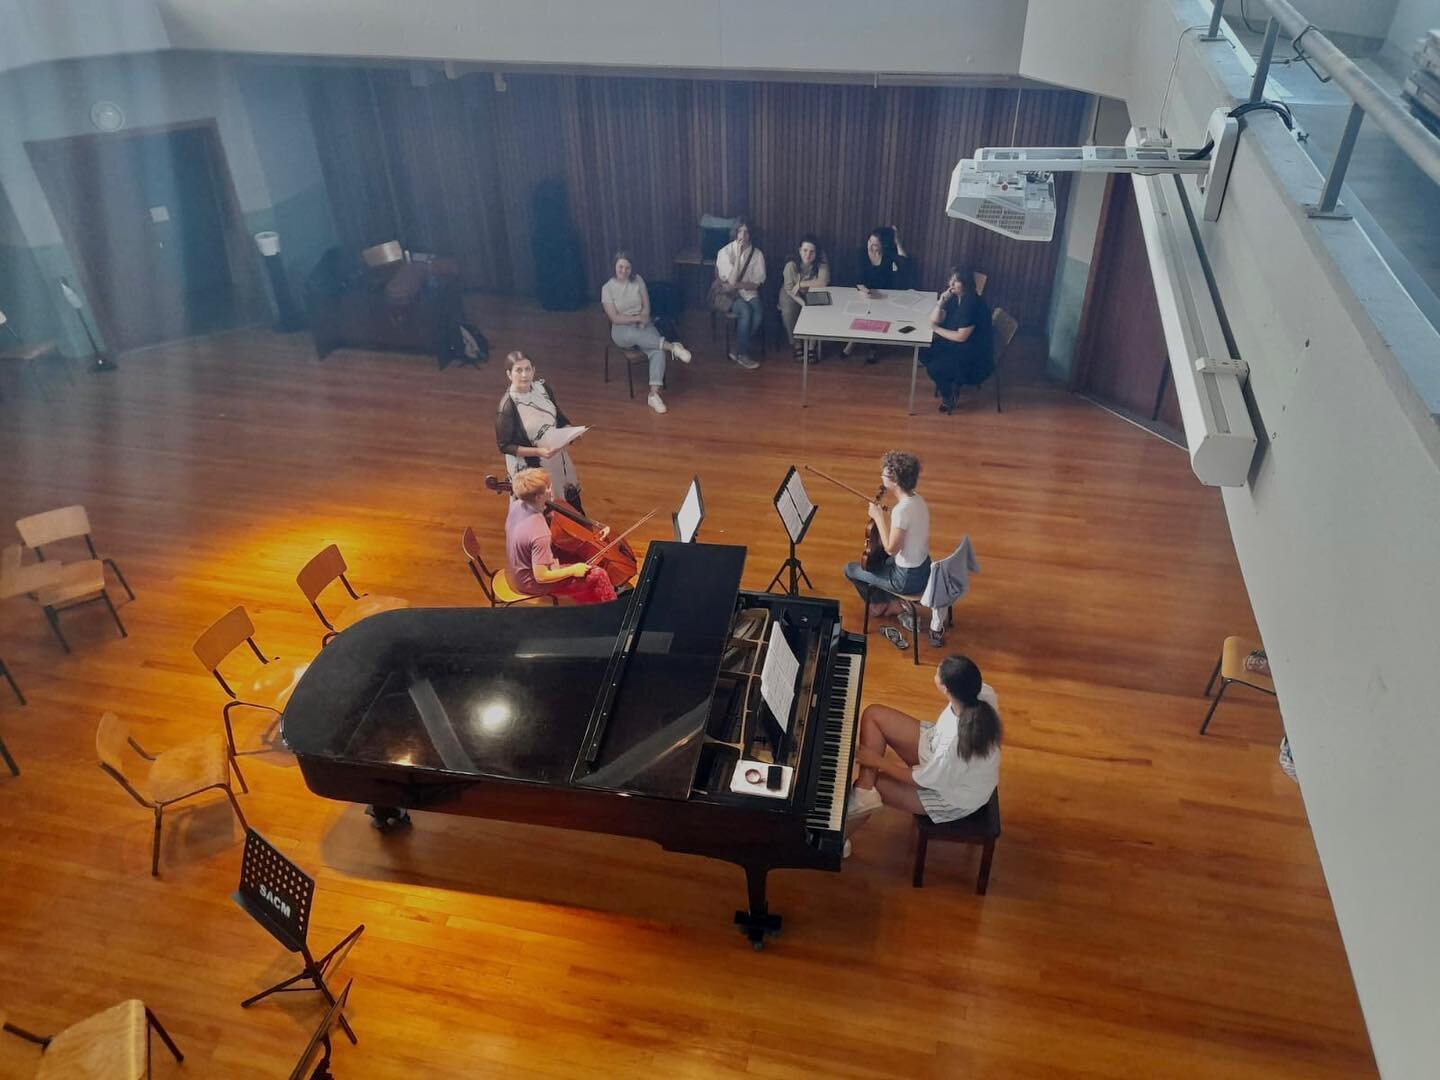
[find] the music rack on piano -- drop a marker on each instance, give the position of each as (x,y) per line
(630,718)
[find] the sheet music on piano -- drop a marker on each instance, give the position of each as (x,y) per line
(777,677)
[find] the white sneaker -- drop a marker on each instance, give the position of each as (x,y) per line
(863,803)
(849,348)
(655,403)
(679,352)
(745,362)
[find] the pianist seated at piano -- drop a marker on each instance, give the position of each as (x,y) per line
(947,769)
(530,561)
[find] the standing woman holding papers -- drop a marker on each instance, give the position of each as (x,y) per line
(530,429)
(806,270)
(627,305)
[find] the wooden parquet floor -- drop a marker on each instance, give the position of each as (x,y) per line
(1156,907)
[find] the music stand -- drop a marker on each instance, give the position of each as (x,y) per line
(796,512)
(321,1040)
(691,513)
(277,894)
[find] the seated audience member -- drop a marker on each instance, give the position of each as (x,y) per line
(807,269)
(526,414)
(627,304)
(739,273)
(962,353)
(882,266)
(948,769)
(905,536)
(530,562)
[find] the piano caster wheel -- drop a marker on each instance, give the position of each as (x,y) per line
(758,946)
(388,818)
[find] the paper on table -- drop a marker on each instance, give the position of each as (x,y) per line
(559,438)
(777,677)
(859,307)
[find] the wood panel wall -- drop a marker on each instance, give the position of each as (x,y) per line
(448,167)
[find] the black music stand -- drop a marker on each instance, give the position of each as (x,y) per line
(796,512)
(321,1041)
(277,894)
(693,507)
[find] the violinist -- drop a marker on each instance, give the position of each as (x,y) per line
(527,412)
(904,533)
(530,561)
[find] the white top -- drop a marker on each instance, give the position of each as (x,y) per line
(965,785)
(728,259)
(912,514)
(626,297)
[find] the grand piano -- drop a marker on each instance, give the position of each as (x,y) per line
(644,717)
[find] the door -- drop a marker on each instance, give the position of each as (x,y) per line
(153,229)
(1121,358)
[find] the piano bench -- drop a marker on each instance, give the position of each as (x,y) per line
(981,827)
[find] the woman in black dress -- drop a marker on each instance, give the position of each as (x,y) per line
(881,266)
(961,354)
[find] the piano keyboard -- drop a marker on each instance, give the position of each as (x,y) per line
(838,744)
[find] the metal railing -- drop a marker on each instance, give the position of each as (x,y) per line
(1367,98)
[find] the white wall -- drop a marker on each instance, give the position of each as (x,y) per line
(921,36)
(1337,535)
(1412,18)
(36,31)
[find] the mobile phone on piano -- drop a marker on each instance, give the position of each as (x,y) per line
(775,778)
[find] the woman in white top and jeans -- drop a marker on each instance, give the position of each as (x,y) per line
(906,537)
(627,305)
(947,769)
(739,273)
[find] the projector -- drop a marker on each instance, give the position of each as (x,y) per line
(1014,203)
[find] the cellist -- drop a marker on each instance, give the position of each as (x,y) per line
(904,533)
(530,561)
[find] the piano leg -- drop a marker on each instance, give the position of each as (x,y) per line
(386,818)
(757,922)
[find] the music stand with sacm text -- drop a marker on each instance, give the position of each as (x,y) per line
(278,895)
(308,1067)
(687,519)
(796,512)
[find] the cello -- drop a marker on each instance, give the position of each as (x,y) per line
(578,539)
(873,553)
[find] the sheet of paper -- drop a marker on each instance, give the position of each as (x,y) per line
(687,519)
(559,438)
(870,326)
(858,307)
(795,505)
(777,677)
(793,521)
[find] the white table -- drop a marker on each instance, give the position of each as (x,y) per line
(898,307)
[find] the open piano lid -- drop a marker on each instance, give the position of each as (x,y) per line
(647,725)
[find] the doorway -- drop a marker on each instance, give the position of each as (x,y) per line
(154,229)
(1120,356)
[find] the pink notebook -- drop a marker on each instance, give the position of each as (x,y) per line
(874,326)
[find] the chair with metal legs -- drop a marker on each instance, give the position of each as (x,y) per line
(1230,668)
(38,531)
(110,1044)
(158,781)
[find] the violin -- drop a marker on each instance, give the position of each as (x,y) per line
(575,538)
(872,553)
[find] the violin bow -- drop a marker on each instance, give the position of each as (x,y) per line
(591,561)
(839,483)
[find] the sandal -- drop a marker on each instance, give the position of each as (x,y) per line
(937,639)
(895,637)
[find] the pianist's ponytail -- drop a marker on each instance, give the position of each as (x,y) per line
(979,723)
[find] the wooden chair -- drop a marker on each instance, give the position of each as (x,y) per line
(67,523)
(157,781)
(630,357)
(269,689)
(981,827)
(1230,668)
(5,674)
(56,586)
(1003,330)
(111,1045)
(324,569)
(494,583)
(28,354)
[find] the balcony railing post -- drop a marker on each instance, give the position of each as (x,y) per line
(1330,196)
(1213,34)
(1262,65)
